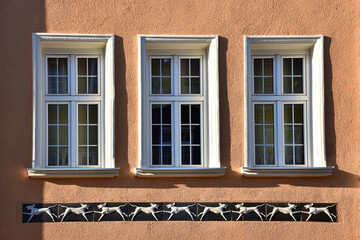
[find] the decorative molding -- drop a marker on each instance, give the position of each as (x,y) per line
(179,172)
(287,172)
(73,173)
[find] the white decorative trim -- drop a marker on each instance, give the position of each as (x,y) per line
(73,173)
(179,172)
(287,172)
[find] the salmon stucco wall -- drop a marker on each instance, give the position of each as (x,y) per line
(231,20)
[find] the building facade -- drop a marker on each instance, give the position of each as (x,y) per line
(180,119)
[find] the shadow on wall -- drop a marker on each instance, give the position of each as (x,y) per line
(232,178)
(19,19)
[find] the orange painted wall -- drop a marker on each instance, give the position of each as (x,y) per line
(231,20)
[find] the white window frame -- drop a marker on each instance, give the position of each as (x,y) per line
(73,46)
(311,48)
(179,47)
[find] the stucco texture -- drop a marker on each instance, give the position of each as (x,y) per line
(231,20)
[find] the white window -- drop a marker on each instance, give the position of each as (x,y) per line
(179,118)
(284,107)
(73,106)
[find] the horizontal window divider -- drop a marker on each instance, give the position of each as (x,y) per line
(73,172)
(182,98)
(286,171)
(179,172)
(279,98)
(77,98)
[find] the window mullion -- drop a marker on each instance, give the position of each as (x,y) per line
(73,146)
(73,78)
(175,77)
(279,137)
(176,129)
(278,75)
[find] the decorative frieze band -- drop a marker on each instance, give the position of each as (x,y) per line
(181,211)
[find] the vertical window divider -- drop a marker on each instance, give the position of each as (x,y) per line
(73,113)
(279,69)
(175,78)
(176,121)
(279,137)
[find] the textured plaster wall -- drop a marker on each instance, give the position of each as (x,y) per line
(231,20)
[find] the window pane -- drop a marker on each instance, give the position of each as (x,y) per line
(63,156)
(185,155)
(299,155)
(166,155)
(195,155)
(195,67)
(268,85)
(289,155)
(93,113)
(269,113)
(63,114)
(62,66)
(269,134)
(257,66)
(258,85)
(63,85)
(93,155)
(92,66)
(166,67)
(52,66)
(297,66)
(82,155)
(82,135)
(185,118)
(52,114)
(52,85)
(259,134)
(156,155)
(166,133)
(156,113)
(156,134)
(195,113)
(268,66)
(298,85)
(270,156)
(288,134)
(52,156)
(155,85)
(63,135)
(287,85)
(298,113)
(298,130)
(195,85)
(81,66)
(82,113)
(184,67)
(155,67)
(259,113)
(166,114)
(52,135)
(195,134)
(93,85)
(166,85)
(287,113)
(93,135)
(259,155)
(184,85)
(185,135)
(82,85)
(287,66)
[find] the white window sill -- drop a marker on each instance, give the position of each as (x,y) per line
(73,173)
(179,172)
(287,172)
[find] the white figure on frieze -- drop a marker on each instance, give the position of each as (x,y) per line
(245,210)
(108,210)
(79,210)
(289,210)
(147,210)
(217,210)
(175,210)
(317,210)
(38,211)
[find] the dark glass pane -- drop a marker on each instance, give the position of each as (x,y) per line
(155,67)
(52,85)
(298,131)
(81,66)
(195,155)
(82,85)
(82,135)
(298,113)
(185,85)
(63,156)
(52,156)
(156,108)
(195,134)
(268,85)
(259,155)
(93,156)
(52,135)
(195,113)
(63,67)
(298,85)
(268,66)
(82,113)
(259,113)
(166,155)
(289,155)
(258,85)
(52,66)
(63,135)
(185,155)
(288,113)
(269,134)
(156,155)
(195,67)
(288,134)
(166,114)
(269,155)
(195,85)
(155,85)
(287,66)
(166,132)
(269,113)
(92,66)
(166,85)
(93,114)
(156,134)
(52,114)
(63,85)
(93,135)
(259,134)
(166,67)
(258,67)
(287,85)
(299,155)
(297,66)
(184,67)
(93,85)
(63,114)
(185,118)
(82,155)
(185,135)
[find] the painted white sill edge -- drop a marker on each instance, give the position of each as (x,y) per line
(179,172)
(287,172)
(73,173)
